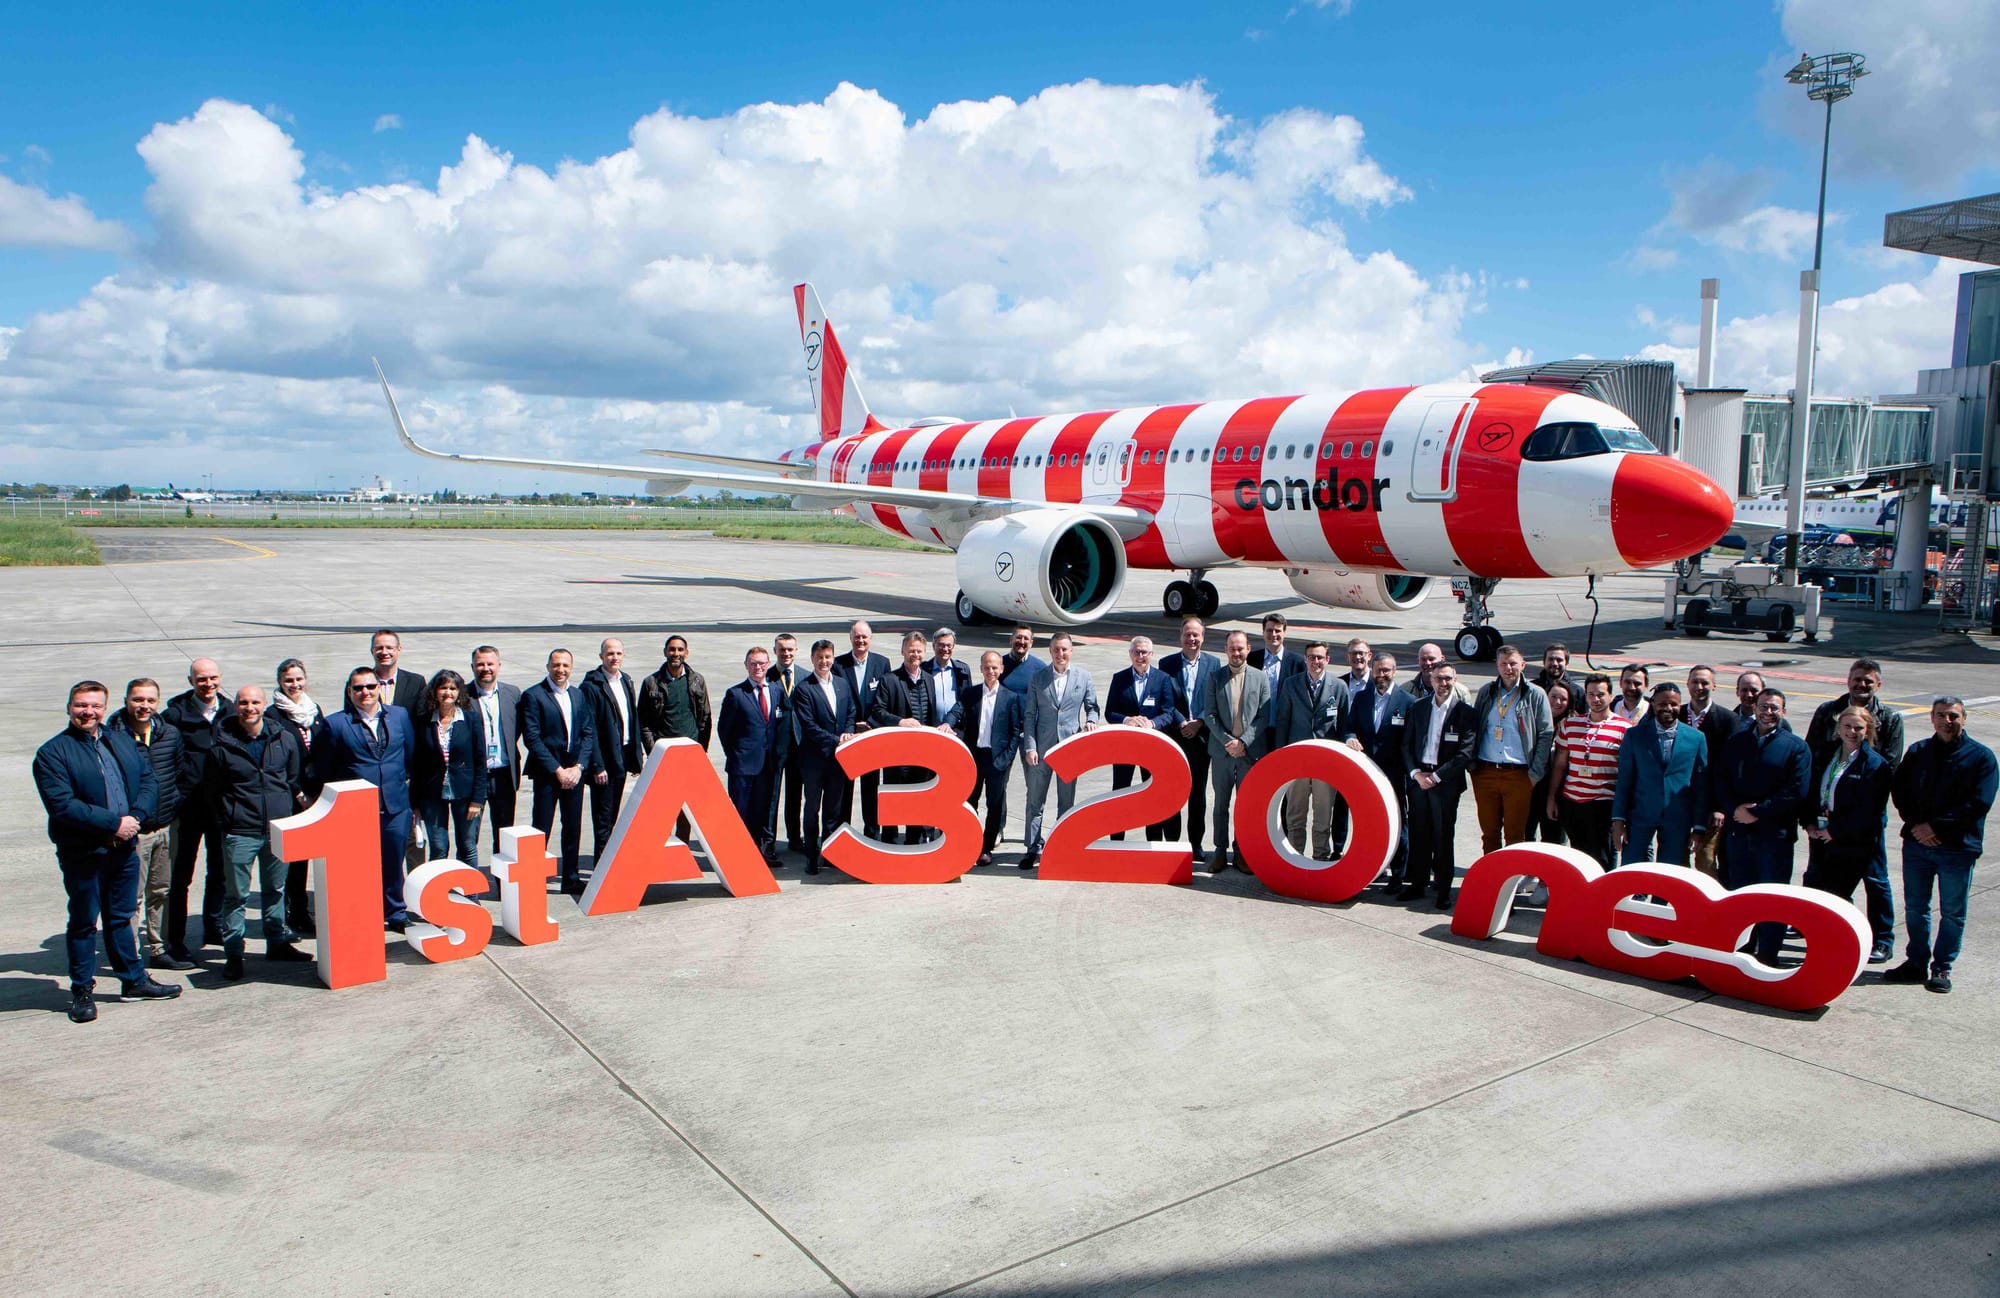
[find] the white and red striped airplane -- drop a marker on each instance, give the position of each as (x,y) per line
(1361,498)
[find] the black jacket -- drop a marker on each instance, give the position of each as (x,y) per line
(1457,742)
(245,793)
(466,769)
(164,756)
(896,699)
(197,737)
(653,709)
(612,756)
(1950,789)
(71,783)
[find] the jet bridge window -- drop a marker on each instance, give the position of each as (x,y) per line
(1573,441)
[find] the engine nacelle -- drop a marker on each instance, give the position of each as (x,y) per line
(1383,592)
(1043,565)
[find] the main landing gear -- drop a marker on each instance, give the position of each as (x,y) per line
(1191,598)
(1478,640)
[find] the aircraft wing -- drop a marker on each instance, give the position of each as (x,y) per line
(748,463)
(665,480)
(1753,532)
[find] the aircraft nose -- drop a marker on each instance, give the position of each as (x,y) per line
(1663,511)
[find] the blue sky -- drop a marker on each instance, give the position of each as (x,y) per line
(1385,194)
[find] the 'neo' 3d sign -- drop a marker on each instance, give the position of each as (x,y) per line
(1654,921)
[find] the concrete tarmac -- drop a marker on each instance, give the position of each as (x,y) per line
(1001,1086)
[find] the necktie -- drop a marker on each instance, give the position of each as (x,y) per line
(381,737)
(787,678)
(764,702)
(1239,686)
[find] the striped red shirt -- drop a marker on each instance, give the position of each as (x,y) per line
(1593,755)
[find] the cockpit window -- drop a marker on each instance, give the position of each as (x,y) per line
(1576,440)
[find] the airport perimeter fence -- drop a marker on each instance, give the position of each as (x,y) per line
(106,513)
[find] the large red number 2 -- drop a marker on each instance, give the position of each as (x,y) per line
(1073,851)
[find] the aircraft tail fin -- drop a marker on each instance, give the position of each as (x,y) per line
(835,394)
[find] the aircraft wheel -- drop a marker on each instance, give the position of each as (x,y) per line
(1694,619)
(1178,600)
(969,613)
(1782,624)
(1471,645)
(1492,640)
(1208,600)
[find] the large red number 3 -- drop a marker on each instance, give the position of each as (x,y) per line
(938,802)
(1073,851)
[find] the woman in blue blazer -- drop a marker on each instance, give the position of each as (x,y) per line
(448,776)
(1846,815)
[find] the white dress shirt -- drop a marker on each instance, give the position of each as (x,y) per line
(987,699)
(562,703)
(1439,711)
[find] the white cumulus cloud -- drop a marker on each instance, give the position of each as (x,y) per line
(31,217)
(388,122)
(1087,245)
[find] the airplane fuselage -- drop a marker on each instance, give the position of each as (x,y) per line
(1442,479)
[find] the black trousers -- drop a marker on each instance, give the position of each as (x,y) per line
(1433,826)
(605,801)
(549,794)
(992,785)
(1164,831)
(1196,750)
(1587,825)
(824,790)
(196,835)
(871,787)
(794,797)
(500,792)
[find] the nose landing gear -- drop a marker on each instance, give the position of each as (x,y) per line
(1478,640)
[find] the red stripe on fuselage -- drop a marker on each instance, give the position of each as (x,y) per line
(935,474)
(995,478)
(882,473)
(1249,427)
(1483,520)
(1355,536)
(1148,485)
(1065,484)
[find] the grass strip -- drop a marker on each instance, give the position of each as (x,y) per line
(32,543)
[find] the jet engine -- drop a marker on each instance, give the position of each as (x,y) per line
(1040,565)
(1382,592)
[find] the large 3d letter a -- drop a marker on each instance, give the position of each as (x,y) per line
(645,849)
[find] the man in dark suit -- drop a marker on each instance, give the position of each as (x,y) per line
(1142,696)
(400,689)
(907,698)
(498,705)
(864,672)
(614,724)
(822,719)
(1380,719)
(1192,673)
(368,741)
(754,726)
(1765,786)
(195,712)
(786,673)
(98,788)
(562,744)
(1277,663)
(989,721)
(1661,801)
(1716,721)
(1438,744)
(1312,705)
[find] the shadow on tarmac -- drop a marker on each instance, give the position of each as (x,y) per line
(1882,1232)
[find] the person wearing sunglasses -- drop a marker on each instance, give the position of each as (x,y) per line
(375,741)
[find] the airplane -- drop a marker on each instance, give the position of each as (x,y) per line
(191,497)
(1362,499)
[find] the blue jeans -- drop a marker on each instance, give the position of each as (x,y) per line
(239,853)
(1757,858)
(104,883)
(1951,869)
(445,823)
(1652,841)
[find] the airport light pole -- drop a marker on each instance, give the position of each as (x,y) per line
(1828,78)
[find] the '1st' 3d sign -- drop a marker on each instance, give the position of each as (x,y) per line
(1598,917)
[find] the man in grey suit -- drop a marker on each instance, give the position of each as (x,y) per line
(1060,702)
(497,702)
(1239,707)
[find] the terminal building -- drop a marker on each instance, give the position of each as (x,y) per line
(1902,488)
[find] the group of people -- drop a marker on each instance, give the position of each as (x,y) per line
(135,796)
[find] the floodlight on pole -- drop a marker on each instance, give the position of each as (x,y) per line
(1828,78)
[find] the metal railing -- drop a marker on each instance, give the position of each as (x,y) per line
(387,513)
